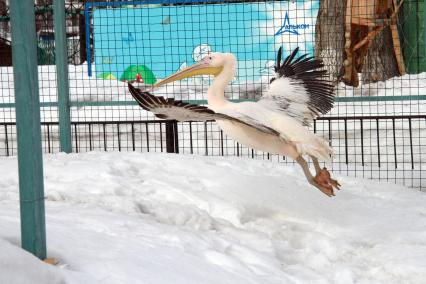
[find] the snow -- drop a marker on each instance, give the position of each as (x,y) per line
(163,218)
(13,261)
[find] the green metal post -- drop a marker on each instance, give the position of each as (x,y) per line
(414,32)
(30,160)
(61,58)
(424,25)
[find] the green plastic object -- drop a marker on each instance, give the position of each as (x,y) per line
(107,76)
(133,72)
(30,160)
(413,40)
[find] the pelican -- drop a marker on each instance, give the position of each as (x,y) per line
(276,123)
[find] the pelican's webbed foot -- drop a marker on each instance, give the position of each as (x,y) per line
(322,180)
(325,183)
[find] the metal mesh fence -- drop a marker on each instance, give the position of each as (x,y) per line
(374,52)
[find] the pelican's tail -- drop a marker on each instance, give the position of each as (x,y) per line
(317,147)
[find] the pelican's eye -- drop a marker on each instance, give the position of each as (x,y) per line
(272,80)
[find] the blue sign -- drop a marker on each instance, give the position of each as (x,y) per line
(287,27)
(160,40)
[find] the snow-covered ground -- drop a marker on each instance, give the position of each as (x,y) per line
(162,218)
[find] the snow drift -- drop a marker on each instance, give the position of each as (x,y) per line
(161,218)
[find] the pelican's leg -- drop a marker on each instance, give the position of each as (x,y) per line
(316,164)
(324,187)
(323,175)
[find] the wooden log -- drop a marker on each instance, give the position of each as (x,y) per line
(380,62)
(350,75)
(330,37)
(363,12)
(396,39)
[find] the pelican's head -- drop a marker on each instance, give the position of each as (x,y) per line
(212,64)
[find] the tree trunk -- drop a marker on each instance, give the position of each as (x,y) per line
(330,36)
(4,25)
(380,62)
(376,60)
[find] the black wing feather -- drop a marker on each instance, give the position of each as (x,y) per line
(278,64)
(312,75)
(171,108)
(290,58)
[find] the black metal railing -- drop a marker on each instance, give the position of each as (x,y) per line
(389,148)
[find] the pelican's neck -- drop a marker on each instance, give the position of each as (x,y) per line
(216,92)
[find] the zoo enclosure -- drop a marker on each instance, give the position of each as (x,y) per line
(378,129)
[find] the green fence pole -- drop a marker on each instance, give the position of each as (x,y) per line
(61,59)
(30,160)
(413,40)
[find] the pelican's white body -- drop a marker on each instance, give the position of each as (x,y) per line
(294,139)
(256,139)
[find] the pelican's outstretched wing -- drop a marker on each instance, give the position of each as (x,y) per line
(171,108)
(300,88)
(181,111)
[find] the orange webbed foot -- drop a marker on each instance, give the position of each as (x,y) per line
(325,183)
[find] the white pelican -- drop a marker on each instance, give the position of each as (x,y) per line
(275,124)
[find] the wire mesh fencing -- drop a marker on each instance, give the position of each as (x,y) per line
(374,52)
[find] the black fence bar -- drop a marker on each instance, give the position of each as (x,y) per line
(221,143)
(362,141)
(104,135)
(76,138)
(133,137)
(48,138)
(90,137)
(346,142)
(147,138)
(6,140)
(378,141)
(191,145)
(161,135)
(394,144)
(118,136)
(172,144)
(206,139)
(176,136)
(238,149)
(411,143)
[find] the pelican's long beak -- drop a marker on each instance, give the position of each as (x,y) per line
(201,68)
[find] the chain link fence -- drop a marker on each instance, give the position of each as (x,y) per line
(374,52)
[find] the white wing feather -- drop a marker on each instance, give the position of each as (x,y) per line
(300,88)
(288,128)
(289,96)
